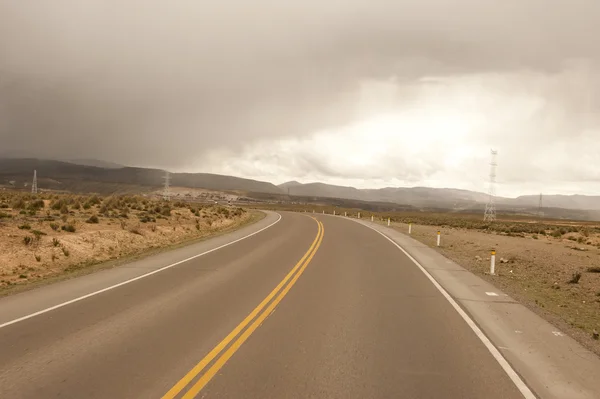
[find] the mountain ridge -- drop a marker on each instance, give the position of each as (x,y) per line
(62,175)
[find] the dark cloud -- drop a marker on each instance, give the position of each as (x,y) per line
(162,83)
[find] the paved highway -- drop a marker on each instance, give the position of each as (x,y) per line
(307,308)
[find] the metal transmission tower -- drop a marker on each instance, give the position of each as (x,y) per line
(540,213)
(490,208)
(34,188)
(166,192)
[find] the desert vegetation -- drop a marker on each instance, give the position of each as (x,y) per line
(49,234)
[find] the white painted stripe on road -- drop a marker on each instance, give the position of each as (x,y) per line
(491,294)
(60,305)
(512,374)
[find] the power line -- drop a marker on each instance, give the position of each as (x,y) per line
(490,208)
(34,187)
(166,192)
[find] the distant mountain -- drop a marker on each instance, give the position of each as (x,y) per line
(440,197)
(112,178)
(81,178)
(289,184)
(96,162)
(560,201)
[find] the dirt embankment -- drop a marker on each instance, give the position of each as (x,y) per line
(51,235)
(555,273)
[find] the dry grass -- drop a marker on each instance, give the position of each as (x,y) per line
(47,235)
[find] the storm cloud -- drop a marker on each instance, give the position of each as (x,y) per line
(297,89)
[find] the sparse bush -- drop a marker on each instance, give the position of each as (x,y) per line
(4,215)
(87,206)
(55,242)
(556,233)
(64,209)
(165,211)
(93,219)
(580,240)
(36,205)
(94,200)
(57,204)
(27,240)
(22,276)
(25,226)
(76,205)
(18,204)
(38,257)
(68,227)
(575,278)
(3,206)
(38,234)
(65,251)
(153,228)
(535,237)
(64,218)
(54,226)
(53,257)
(585,232)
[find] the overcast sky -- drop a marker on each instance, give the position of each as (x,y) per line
(366,93)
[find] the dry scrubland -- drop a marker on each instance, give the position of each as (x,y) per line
(552,266)
(48,235)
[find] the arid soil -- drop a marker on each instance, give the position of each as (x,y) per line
(49,235)
(557,276)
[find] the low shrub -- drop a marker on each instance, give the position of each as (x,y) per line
(68,227)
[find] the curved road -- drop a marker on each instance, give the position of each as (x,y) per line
(308,308)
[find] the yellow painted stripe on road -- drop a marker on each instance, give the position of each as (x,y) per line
(197,369)
(205,379)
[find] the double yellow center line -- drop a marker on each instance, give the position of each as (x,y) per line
(246,328)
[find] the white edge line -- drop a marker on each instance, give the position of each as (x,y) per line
(60,305)
(512,374)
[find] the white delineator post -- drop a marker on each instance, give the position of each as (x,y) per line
(493,262)
(439,237)
(345,214)
(359,215)
(388,222)
(371,218)
(334,213)
(409,228)
(323,212)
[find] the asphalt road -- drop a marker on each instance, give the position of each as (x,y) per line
(303,309)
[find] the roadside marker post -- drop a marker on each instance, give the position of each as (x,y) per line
(493,263)
(371,218)
(359,215)
(334,212)
(388,222)
(345,214)
(410,228)
(439,237)
(323,212)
